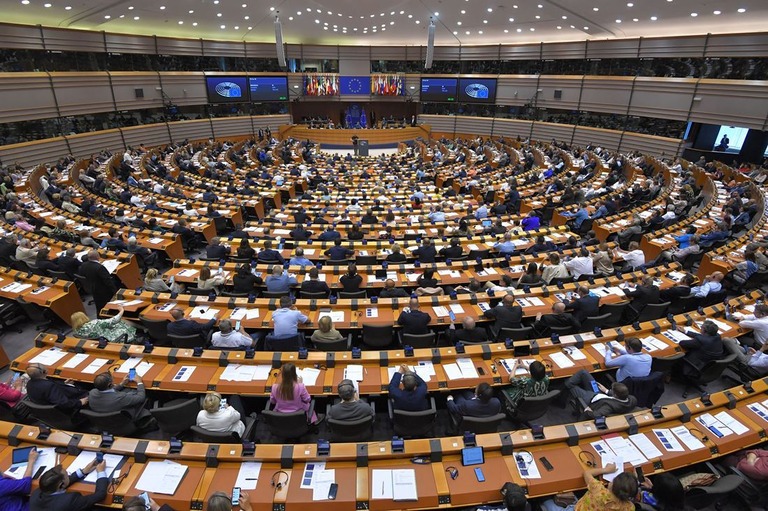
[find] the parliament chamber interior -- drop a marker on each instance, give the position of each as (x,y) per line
(313,255)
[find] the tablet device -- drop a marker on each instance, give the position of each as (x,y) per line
(472,456)
(21,455)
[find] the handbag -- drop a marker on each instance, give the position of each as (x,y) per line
(565,499)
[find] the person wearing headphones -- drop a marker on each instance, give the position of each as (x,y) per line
(220,501)
(43,391)
(350,408)
(413,396)
(52,495)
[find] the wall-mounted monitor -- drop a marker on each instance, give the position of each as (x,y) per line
(477,90)
(226,89)
(268,88)
(438,89)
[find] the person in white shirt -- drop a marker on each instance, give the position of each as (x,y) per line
(190,210)
(632,362)
(226,337)
(635,257)
(711,284)
(757,322)
(580,265)
(127,158)
(217,418)
(670,214)
(750,357)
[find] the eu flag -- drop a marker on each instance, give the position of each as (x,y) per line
(355,85)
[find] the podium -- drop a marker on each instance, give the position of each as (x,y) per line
(362,148)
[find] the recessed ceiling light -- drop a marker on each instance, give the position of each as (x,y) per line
(595,9)
(25,2)
(47,5)
(218,14)
(485,21)
(245,5)
(122,16)
(271,8)
(317,21)
(248,17)
(519,30)
(437,14)
(130,7)
(68,8)
(330,13)
(402,12)
(392,13)
(467,32)
(532,29)
(409,16)
(417,22)
(654,18)
(559,27)
(325,28)
(215,2)
(618,21)
(194,23)
(290,18)
(298,13)
(162,7)
(586,28)
(191,12)
(630,4)
(635,20)
(511,20)
(573,26)
(538,17)
(237,27)
(506,31)
(136,18)
(742,10)
(463,11)
(540,6)
(565,17)
(181,22)
(694,14)
(490,9)
(716,13)
(458,23)
(223,27)
(480,32)
(455,33)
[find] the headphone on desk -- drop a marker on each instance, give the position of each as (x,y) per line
(590,460)
(276,483)
(452,471)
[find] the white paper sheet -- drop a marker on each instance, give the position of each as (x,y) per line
(46,458)
(75,360)
(575,353)
(85,457)
(161,477)
(48,357)
(95,365)
(626,450)
(668,440)
(440,311)
(248,475)
(714,425)
(184,373)
(456,308)
(321,484)
(336,316)
(561,360)
(111,265)
(308,476)
(607,459)
(687,438)
(467,367)
(452,371)
(309,375)
(731,423)
(354,372)
(646,446)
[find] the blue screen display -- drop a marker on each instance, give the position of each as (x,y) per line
(268,88)
(477,90)
(438,89)
(226,89)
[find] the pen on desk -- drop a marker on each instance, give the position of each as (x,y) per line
(382,487)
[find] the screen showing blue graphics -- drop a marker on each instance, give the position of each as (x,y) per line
(477,90)
(268,88)
(357,85)
(438,89)
(226,89)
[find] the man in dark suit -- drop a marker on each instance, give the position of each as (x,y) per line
(413,396)
(300,217)
(338,253)
(647,292)
(584,306)
(369,218)
(701,348)
(480,403)
(330,234)
(66,397)
(603,402)
(469,333)
(215,250)
(103,288)
(426,253)
(390,291)
(507,314)
(7,250)
(268,254)
(314,284)
(681,290)
(106,397)
(414,321)
(299,233)
(350,408)
(52,495)
(182,327)
(557,318)
(69,263)
(143,253)
(452,251)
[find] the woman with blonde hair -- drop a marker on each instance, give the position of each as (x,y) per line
(325,331)
(112,329)
(206,281)
(396,256)
(155,283)
(290,394)
(218,418)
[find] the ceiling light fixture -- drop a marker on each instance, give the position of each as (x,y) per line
(741,11)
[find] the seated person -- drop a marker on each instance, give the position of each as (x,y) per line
(632,362)
(753,463)
(221,501)
(290,395)
(537,384)
(217,418)
(541,245)
(427,284)
(701,348)
(245,250)
(226,337)
(268,255)
(531,276)
(664,493)
(207,281)
(555,271)
(413,320)
(63,395)
(645,293)
(286,319)
(397,255)
(681,290)
(13,492)
(453,250)
(182,327)
(426,253)
(584,306)
(618,496)
(634,258)
(351,280)
(351,408)
(52,495)
(107,397)
(299,260)
(314,284)
(113,329)
(557,318)
(244,281)
(711,284)
(507,314)
(215,250)
(154,282)
(581,264)
(137,504)
(338,253)
(603,402)
(390,291)
(514,499)
(325,332)
(480,403)
(468,333)
(413,396)
(280,281)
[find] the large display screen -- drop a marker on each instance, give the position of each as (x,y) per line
(730,139)
(268,88)
(477,90)
(438,89)
(226,89)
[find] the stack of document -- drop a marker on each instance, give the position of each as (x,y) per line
(86,457)
(354,372)
(239,313)
(398,485)
(48,357)
(463,368)
(675,336)
(161,477)
(16,287)
(336,316)
(241,372)
(204,312)
(308,375)
(561,360)
(135,363)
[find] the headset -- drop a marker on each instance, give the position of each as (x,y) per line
(703,438)
(590,460)
(276,483)
(452,471)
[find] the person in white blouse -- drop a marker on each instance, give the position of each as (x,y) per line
(218,418)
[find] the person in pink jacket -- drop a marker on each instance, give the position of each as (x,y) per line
(753,463)
(290,394)
(10,393)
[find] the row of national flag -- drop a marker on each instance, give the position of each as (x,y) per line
(331,84)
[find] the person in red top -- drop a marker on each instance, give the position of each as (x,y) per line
(10,393)
(753,463)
